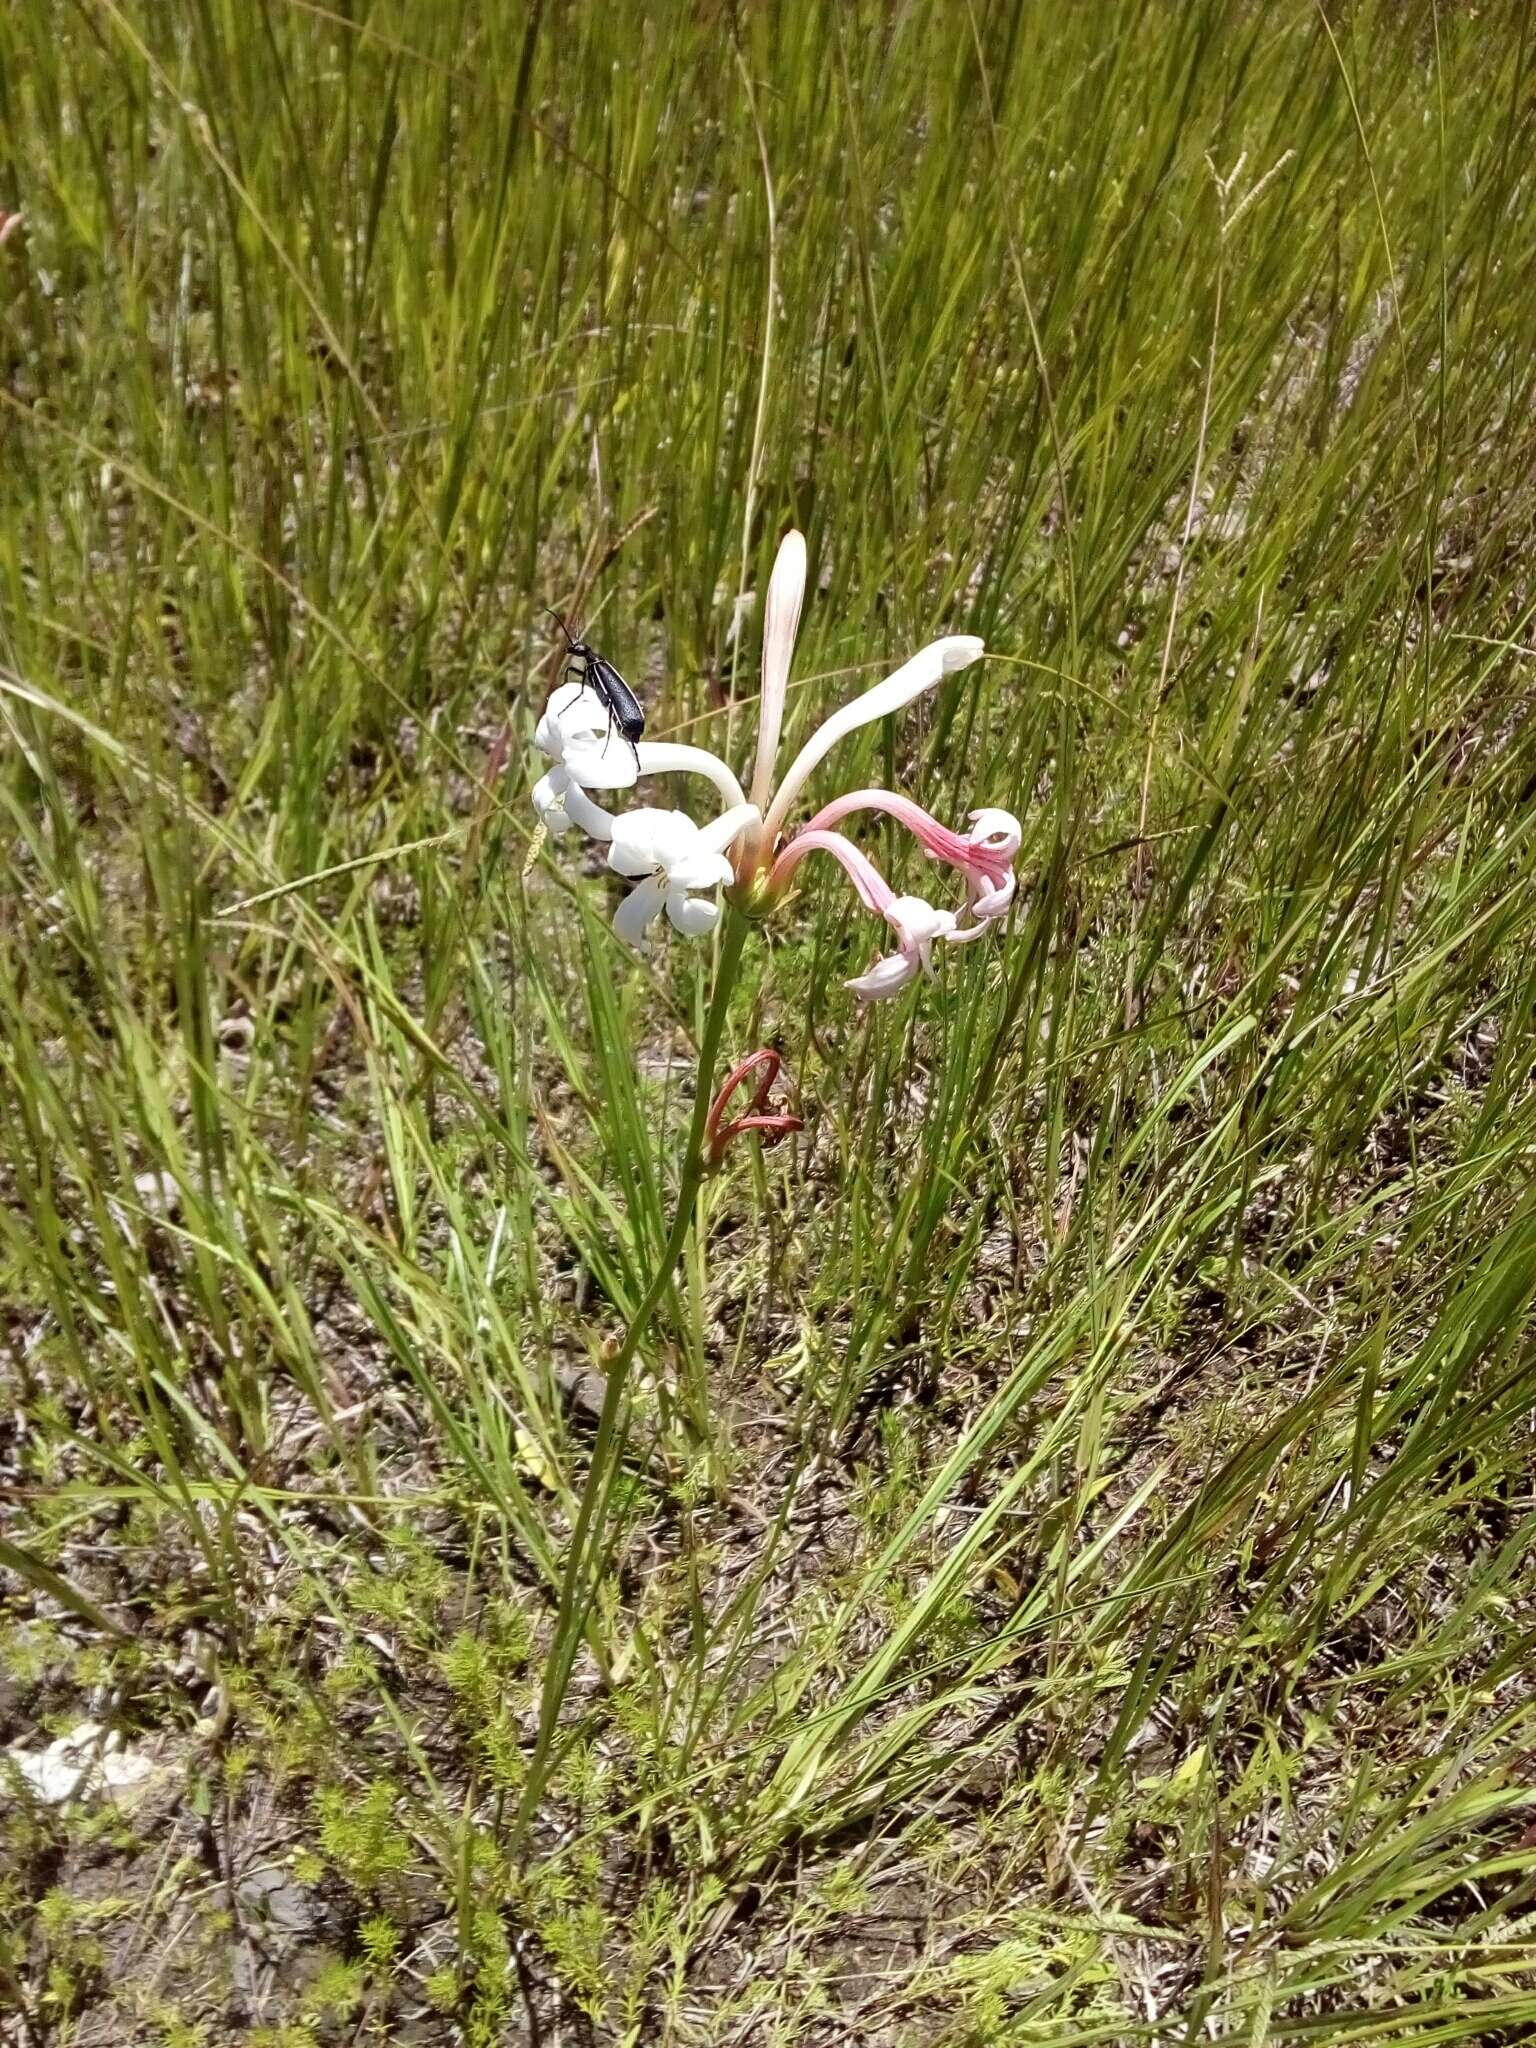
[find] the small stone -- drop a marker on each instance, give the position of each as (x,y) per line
(269,1897)
(158,1192)
(83,1764)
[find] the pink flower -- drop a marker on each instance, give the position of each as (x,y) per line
(915,921)
(994,838)
(874,891)
(984,856)
(917,924)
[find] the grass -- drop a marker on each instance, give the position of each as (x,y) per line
(1071,1580)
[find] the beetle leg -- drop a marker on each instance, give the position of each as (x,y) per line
(579,687)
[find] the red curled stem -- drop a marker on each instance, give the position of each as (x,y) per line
(770,1125)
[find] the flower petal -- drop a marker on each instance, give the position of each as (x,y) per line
(549,794)
(937,839)
(873,890)
(639,910)
(572,712)
(781,622)
(988,904)
(665,757)
(606,763)
(642,839)
(995,833)
(591,817)
(916,922)
(721,833)
(700,869)
(692,915)
(926,668)
(886,978)
(677,837)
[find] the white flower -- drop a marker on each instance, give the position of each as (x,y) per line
(917,925)
(577,734)
(674,860)
(588,753)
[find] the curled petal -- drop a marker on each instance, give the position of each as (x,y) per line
(573,712)
(874,891)
(990,904)
(765,1063)
(549,794)
(770,1128)
(693,916)
(917,925)
(984,854)
(722,833)
(886,978)
(562,803)
(937,839)
(592,818)
(665,757)
(996,834)
(770,1125)
(549,733)
(609,764)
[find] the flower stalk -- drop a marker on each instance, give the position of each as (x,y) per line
(579,1581)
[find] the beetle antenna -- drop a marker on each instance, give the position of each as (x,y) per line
(565,629)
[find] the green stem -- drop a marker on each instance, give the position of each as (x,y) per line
(579,1582)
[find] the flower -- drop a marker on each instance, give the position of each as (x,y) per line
(673,859)
(917,925)
(781,621)
(576,733)
(984,855)
(568,734)
(995,838)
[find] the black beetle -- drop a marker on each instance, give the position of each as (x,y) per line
(599,675)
